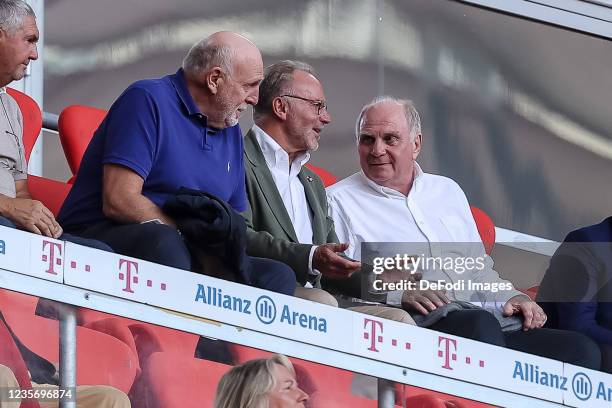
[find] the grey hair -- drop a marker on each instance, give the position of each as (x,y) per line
(207,54)
(413,119)
(248,384)
(12,13)
(277,79)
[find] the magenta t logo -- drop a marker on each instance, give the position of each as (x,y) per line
(373,336)
(129,279)
(447,354)
(50,257)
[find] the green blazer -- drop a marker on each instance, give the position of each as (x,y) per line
(270,233)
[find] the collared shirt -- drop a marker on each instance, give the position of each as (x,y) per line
(435,211)
(156,130)
(13,165)
(289,187)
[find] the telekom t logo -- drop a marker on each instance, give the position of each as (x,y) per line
(448,351)
(447,354)
(53,256)
(372,335)
(130,266)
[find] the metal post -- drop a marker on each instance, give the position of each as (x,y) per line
(32,84)
(67,368)
(386,393)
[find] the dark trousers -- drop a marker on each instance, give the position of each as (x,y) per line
(563,345)
(606,357)
(92,243)
(163,244)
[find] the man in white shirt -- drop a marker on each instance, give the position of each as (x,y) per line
(393,200)
(288,206)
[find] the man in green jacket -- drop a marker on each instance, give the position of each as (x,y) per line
(288,207)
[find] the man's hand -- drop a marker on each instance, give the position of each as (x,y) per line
(32,216)
(424,301)
(533,315)
(327,260)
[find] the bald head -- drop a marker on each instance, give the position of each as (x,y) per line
(223,73)
(222,49)
(233,40)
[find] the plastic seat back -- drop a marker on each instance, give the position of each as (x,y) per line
(101,359)
(50,192)
(16,301)
(326,177)
(11,357)
(486,228)
(171,380)
(32,119)
(77,124)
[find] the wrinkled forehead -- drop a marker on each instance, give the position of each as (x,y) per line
(247,64)
(306,84)
(387,117)
(28,27)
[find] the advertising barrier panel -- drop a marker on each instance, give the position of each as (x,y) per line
(297,319)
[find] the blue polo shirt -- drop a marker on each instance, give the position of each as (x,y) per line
(156,130)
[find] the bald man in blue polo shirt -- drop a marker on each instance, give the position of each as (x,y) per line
(161,134)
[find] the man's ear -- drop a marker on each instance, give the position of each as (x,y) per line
(418,139)
(280,108)
(214,78)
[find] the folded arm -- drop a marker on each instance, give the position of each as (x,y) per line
(123,200)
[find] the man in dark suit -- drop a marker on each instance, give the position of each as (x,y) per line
(288,207)
(576,292)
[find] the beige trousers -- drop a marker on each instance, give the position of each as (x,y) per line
(386,312)
(91,396)
(87,396)
(7,380)
(315,295)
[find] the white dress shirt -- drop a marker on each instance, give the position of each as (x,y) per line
(435,211)
(290,188)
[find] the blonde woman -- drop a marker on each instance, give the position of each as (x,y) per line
(262,383)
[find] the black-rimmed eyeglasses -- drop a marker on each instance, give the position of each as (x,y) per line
(320,105)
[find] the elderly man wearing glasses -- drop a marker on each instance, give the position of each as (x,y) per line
(288,205)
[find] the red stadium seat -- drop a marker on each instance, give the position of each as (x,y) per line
(420,397)
(171,380)
(486,228)
(326,177)
(150,339)
(50,192)
(32,119)
(431,401)
(11,358)
(101,359)
(87,317)
(532,292)
(142,338)
(15,301)
(77,124)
